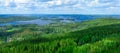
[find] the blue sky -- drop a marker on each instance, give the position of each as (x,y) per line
(59,6)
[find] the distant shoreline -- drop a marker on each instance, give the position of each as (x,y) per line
(68,14)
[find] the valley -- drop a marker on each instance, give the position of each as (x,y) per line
(98,35)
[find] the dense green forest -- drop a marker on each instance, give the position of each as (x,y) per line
(100,35)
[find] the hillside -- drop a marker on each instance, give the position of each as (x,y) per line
(96,36)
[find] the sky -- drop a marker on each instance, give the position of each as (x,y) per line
(60,7)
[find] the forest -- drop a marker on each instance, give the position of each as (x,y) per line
(100,35)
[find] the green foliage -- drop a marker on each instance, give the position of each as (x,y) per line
(85,37)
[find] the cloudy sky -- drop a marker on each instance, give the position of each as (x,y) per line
(59,6)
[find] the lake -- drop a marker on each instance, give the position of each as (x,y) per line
(47,19)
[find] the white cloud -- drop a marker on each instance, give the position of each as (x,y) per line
(93,3)
(97,3)
(58,4)
(79,6)
(22,1)
(52,3)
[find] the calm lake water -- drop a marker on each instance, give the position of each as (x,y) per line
(63,18)
(37,21)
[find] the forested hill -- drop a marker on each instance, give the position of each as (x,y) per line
(97,36)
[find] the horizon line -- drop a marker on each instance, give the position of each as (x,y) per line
(59,14)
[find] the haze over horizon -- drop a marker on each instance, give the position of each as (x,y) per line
(60,7)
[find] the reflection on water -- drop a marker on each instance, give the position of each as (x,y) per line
(45,22)
(37,21)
